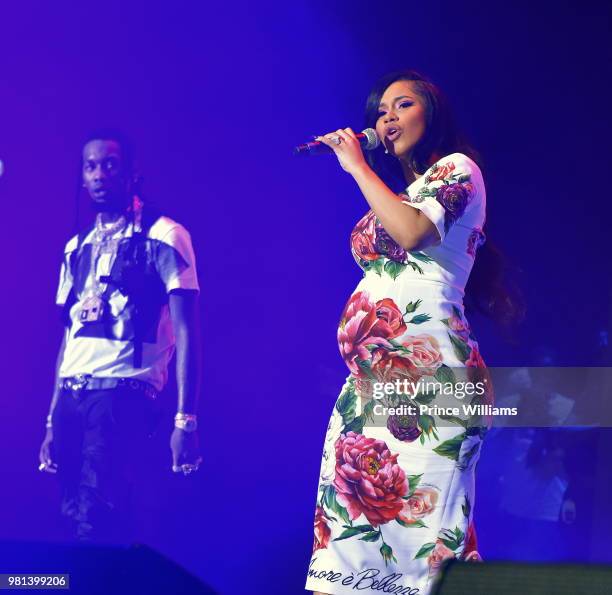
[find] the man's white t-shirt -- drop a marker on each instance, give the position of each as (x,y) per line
(108,352)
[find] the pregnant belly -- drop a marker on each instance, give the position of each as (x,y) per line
(391,330)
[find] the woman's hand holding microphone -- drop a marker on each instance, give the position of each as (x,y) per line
(347,148)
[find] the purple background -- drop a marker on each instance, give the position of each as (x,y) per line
(214,99)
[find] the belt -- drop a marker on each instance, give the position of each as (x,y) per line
(82,382)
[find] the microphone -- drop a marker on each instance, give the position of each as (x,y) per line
(368,139)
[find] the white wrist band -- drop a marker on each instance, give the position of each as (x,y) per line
(186,422)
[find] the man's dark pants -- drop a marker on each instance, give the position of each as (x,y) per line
(100,444)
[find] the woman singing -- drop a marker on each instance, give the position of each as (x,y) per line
(396,488)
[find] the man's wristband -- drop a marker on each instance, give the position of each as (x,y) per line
(186,422)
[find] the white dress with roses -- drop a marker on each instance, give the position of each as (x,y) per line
(396,489)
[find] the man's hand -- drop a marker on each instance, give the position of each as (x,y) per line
(185,447)
(46,463)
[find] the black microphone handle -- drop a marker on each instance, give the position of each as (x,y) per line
(318,148)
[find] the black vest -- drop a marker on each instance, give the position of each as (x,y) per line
(134,274)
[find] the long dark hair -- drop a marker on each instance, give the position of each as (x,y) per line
(492,287)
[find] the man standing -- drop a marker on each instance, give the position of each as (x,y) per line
(129,290)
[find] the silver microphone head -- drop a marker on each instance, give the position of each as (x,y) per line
(373,140)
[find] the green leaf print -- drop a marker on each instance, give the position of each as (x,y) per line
(451,544)
(425,550)
(372,265)
(368,410)
(461,348)
(415,266)
(346,404)
(461,178)
(425,398)
(427,192)
(387,554)
(394,269)
(457,312)
(452,539)
(412,306)
(445,374)
(415,525)
(372,536)
(377,266)
(367,415)
(427,423)
(459,535)
(419,319)
(450,448)
(366,366)
(413,482)
(356,425)
(447,533)
(331,503)
(421,256)
(356,530)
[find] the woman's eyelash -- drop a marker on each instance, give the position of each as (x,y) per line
(403,104)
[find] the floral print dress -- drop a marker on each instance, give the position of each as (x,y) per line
(395,499)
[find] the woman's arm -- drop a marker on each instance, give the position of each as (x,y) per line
(408,226)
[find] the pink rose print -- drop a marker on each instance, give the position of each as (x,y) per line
(460,326)
(421,357)
(476,239)
(441,172)
(358,329)
(425,353)
(322,532)
(365,323)
(370,241)
(363,237)
(437,556)
(420,504)
(388,313)
(368,479)
(454,198)
(389,365)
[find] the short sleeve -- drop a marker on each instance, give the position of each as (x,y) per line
(175,260)
(65,280)
(448,188)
